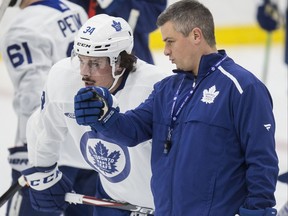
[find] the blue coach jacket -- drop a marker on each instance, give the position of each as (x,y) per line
(222,153)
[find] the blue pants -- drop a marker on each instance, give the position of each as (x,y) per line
(84,182)
(99,211)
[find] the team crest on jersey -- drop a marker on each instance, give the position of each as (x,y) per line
(116,26)
(209,95)
(104,160)
(112,161)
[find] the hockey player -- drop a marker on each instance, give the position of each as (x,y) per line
(141,16)
(101,57)
(211,124)
(39,35)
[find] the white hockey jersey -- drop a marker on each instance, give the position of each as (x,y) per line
(125,172)
(39,35)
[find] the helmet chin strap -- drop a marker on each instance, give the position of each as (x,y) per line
(116,77)
(115,61)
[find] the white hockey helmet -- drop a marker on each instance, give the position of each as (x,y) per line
(104,36)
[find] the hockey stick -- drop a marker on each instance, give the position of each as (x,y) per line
(74,198)
(266,57)
(3,7)
(12,190)
(82,199)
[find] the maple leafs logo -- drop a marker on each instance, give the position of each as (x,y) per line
(105,162)
(209,95)
(116,26)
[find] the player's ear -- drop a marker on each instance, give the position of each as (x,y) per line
(118,68)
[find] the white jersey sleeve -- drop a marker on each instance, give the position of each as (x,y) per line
(45,133)
(39,35)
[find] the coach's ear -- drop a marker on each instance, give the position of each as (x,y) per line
(196,36)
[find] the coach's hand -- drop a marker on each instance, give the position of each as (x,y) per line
(48,187)
(96,107)
(258,212)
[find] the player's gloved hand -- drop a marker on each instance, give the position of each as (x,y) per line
(96,107)
(18,160)
(268,16)
(47,188)
(259,212)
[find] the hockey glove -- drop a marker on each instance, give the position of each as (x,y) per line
(96,107)
(268,16)
(259,212)
(18,160)
(47,188)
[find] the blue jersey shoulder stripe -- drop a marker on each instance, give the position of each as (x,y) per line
(56,4)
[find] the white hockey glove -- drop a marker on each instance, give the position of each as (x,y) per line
(18,158)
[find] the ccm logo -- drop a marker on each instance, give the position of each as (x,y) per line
(83,45)
(45,180)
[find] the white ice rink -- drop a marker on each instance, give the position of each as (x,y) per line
(251,57)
